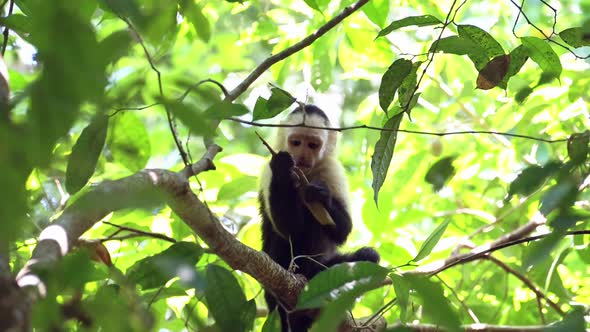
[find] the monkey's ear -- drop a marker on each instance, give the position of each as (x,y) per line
(332,142)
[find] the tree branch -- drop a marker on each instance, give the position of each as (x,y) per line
(266,64)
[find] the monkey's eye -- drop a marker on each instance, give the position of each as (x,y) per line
(295,142)
(313,146)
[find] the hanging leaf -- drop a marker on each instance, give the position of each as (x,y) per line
(177,261)
(578,147)
(518,57)
(194,14)
(493,72)
(85,154)
(490,47)
(455,45)
(279,101)
(431,241)
(421,21)
(384,152)
(576,37)
(224,109)
(391,80)
(407,88)
(272,323)
(341,279)
(532,178)
(440,172)
(226,300)
(129,142)
(541,52)
(522,94)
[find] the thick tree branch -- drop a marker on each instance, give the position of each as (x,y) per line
(475,328)
(147,188)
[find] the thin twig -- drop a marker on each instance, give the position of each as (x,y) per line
(305,42)
(341,129)
(6,29)
(525,281)
(139,232)
(272,152)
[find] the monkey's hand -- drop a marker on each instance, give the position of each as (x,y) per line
(281,165)
(317,192)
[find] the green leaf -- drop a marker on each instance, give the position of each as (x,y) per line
(200,123)
(421,21)
(18,23)
(340,280)
(115,46)
(226,300)
(313,4)
(407,88)
(541,52)
(129,142)
(522,94)
(391,80)
(440,172)
(576,37)
(532,178)
(578,147)
(455,45)
(85,153)
(333,313)
(124,8)
(194,14)
(224,109)
(279,101)
(562,195)
(518,57)
(177,261)
(572,321)
(431,241)
(434,302)
(485,42)
(383,153)
(272,323)
(234,189)
(402,292)
(376,11)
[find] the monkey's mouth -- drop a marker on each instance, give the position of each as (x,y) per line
(305,167)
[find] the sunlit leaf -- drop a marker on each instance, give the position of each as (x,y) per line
(391,80)
(541,52)
(339,280)
(177,261)
(408,87)
(421,21)
(436,305)
(455,45)
(384,152)
(440,172)
(85,153)
(200,123)
(376,11)
(18,23)
(518,57)
(572,321)
(431,241)
(234,189)
(575,37)
(489,46)
(116,45)
(194,14)
(129,141)
(272,323)
(277,103)
(402,292)
(225,109)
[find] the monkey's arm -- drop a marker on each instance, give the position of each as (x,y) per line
(286,206)
(319,192)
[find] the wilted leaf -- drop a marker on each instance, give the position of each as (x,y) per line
(493,72)
(391,80)
(85,154)
(423,20)
(440,172)
(383,153)
(431,241)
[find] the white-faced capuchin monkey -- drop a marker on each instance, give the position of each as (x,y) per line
(289,229)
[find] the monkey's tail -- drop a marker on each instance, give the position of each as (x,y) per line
(364,254)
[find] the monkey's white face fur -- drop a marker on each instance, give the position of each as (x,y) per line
(307,146)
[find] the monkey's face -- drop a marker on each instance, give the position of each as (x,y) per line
(306,148)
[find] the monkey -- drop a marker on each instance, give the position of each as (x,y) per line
(289,229)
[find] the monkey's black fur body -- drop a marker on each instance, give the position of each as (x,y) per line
(290,220)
